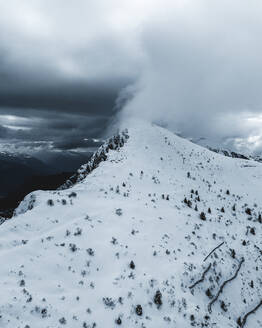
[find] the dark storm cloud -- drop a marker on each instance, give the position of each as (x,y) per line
(62,66)
(64,56)
(192,65)
(63,131)
(98,100)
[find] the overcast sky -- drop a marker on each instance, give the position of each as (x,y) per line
(192,65)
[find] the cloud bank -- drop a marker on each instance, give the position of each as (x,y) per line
(67,68)
(202,74)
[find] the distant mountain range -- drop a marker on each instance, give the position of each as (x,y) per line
(16,169)
(234,154)
(35,182)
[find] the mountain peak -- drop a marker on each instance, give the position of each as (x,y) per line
(155,232)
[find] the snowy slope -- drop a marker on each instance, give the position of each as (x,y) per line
(122,246)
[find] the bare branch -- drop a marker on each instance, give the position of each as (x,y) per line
(224,284)
(243,322)
(213,251)
(202,277)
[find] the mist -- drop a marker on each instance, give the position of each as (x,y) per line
(201,74)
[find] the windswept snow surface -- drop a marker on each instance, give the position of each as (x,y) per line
(123,246)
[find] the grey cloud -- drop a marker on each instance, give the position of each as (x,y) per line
(4,132)
(202,75)
(61,132)
(66,57)
(76,143)
(61,68)
(98,100)
(192,65)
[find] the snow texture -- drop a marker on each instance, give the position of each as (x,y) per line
(123,245)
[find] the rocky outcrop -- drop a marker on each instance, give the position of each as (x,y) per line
(101,155)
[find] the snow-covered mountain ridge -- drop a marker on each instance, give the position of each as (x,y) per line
(128,245)
(233,154)
(114,143)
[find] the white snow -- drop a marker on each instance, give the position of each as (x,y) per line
(68,265)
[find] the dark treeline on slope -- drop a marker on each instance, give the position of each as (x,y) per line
(47,182)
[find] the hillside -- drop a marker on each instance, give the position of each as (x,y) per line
(128,244)
(15,169)
(46,182)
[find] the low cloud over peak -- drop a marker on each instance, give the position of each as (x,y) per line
(202,75)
